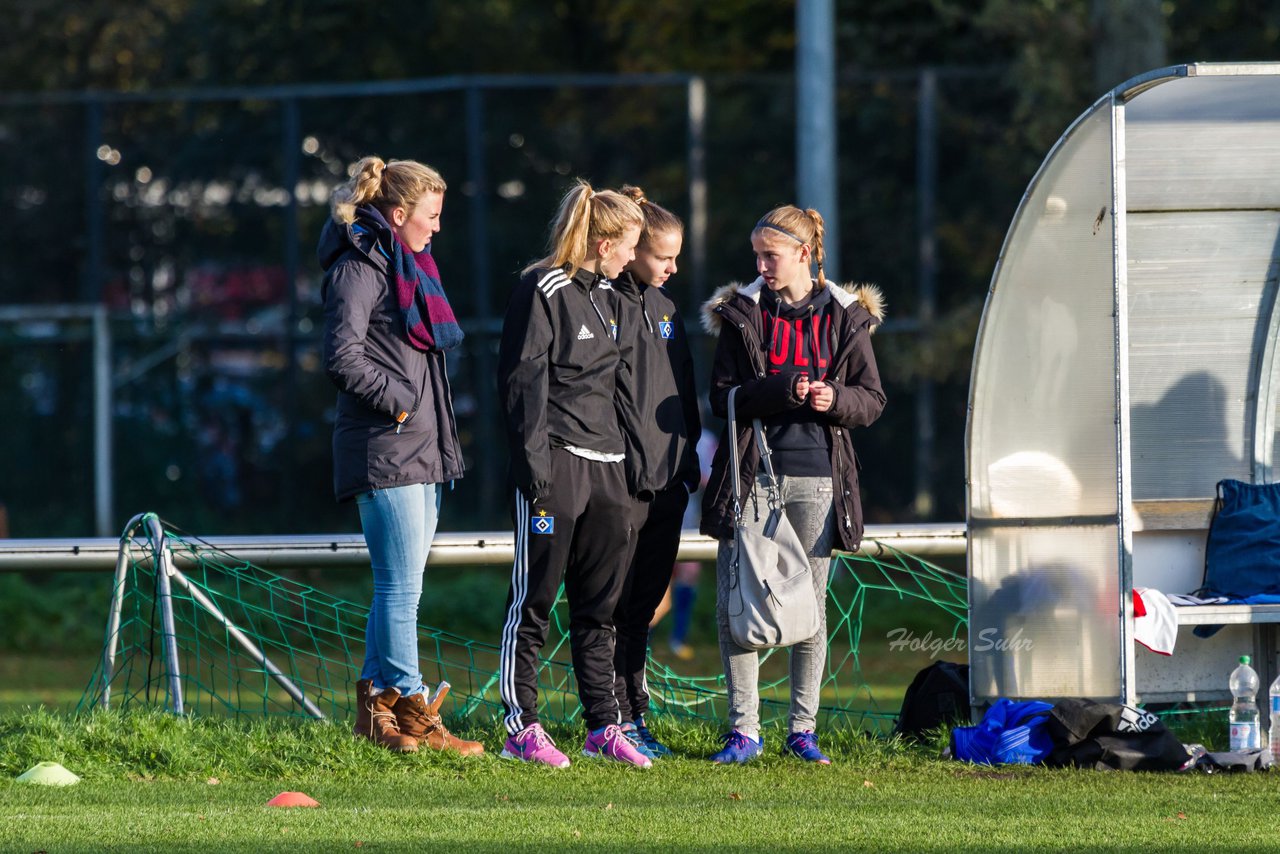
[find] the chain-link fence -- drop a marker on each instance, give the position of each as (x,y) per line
(193,217)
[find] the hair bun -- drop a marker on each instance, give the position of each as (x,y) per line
(634,193)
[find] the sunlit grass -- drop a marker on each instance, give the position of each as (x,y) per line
(153,782)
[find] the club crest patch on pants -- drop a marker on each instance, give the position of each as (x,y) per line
(542,523)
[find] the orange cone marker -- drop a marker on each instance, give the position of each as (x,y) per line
(292,799)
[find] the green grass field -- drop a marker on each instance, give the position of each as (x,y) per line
(152,782)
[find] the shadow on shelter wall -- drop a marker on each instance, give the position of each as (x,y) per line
(1180,445)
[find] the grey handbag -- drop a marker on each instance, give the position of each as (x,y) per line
(771,597)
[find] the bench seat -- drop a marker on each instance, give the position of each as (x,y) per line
(1226,615)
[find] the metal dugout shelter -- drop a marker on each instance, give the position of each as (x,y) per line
(1126,361)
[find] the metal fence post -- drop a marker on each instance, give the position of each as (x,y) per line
(927,269)
(696,95)
(482,276)
(103,461)
(94,227)
(291,137)
(816,169)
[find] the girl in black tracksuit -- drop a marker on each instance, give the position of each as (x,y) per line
(558,367)
(662,462)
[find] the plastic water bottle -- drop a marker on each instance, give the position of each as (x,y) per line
(1244,717)
(1274,740)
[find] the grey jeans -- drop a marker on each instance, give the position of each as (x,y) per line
(808,505)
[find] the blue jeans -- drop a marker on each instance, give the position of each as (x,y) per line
(399,524)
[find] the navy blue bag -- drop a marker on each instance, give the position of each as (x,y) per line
(1242,555)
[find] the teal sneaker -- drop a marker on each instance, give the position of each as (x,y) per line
(657,748)
(632,733)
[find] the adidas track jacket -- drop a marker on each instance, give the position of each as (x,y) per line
(558,366)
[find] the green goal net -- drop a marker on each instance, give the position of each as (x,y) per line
(197,630)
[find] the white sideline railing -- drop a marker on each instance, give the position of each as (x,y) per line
(347,551)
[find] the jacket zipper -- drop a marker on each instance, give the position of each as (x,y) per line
(448,403)
(608,331)
(644,310)
(754,355)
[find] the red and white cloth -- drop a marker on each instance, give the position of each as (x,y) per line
(1155,623)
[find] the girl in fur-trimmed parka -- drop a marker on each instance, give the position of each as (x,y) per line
(799,351)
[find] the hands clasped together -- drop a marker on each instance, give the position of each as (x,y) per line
(819,395)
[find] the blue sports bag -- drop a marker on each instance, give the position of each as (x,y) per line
(1242,554)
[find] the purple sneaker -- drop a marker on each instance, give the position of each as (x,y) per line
(738,748)
(532,744)
(804,745)
(612,743)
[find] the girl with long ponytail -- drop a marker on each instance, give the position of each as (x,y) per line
(558,367)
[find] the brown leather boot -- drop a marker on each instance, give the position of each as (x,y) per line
(376,719)
(421,720)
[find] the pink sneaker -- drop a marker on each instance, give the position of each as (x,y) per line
(532,744)
(614,744)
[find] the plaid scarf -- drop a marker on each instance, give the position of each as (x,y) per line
(428,318)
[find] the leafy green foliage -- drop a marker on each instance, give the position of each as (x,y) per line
(67,616)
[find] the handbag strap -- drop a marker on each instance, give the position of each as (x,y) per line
(765,453)
(733,457)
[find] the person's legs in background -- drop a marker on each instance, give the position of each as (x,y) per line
(684,588)
(683,593)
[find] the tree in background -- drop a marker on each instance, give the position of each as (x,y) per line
(1042,63)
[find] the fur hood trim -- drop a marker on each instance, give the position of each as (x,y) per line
(866,295)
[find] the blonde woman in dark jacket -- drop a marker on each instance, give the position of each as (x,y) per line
(799,352)
(387,327)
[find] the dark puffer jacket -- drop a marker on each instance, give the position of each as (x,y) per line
(662,443)
(734,314)
(379,374)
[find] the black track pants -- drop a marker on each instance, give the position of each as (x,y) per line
(579,533)
(657,540)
